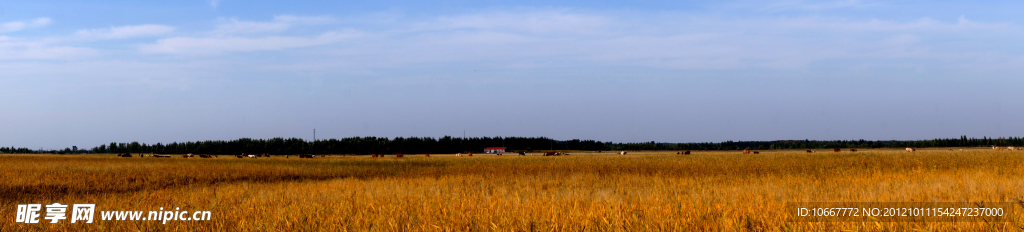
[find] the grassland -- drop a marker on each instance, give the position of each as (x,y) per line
(642,191)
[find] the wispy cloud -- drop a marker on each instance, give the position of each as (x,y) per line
(22,25)
(22,49)
(565,37)
(280,23)
(214,3)
(125,32)
(921,24)
(217,45)
(531,22)
(804,5)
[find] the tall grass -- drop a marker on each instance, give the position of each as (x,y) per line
(643,191)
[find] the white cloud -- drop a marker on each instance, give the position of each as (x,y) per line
(216,45)
(234,26)
(214,3)
(534,22)
(922,24)
(291,19)
(21,25)
(20,49)
(279,24)
(126,32)
(815,5)
(698,42)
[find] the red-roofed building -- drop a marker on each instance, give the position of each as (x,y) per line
(494,150)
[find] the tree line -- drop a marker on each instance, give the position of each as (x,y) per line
(448,144)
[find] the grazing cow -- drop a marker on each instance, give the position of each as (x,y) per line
(835,149)
(853,150)
(458,154)
(522,153)
(189,155)
(399,155)
(308,156)
(205,156)
(755,152)
(622,153)
(1010,148)
(746,151)
(911,149)
(997,148)
(426,155)
(951,149)
(162,156)
(124,155)
(470,154)
(550,153)
(810,151)
(374,155)
(686,152)
(252,156)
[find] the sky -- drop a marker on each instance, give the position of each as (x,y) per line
(77,73)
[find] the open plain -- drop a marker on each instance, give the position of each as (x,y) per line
(640,191)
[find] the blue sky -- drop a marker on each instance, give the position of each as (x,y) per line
(88,73)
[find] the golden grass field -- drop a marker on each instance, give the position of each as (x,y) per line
(641,191)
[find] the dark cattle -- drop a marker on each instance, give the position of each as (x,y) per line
(686,152)
(205,156)
(470,154)
(240,156)
(125,155)
(853,150)
(426,155)
(399,155)
(307,156)
(522,153)
(755,152)
(835,149)
(809,151)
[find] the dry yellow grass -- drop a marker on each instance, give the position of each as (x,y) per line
(642,191)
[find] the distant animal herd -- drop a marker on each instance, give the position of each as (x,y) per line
(549,153)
